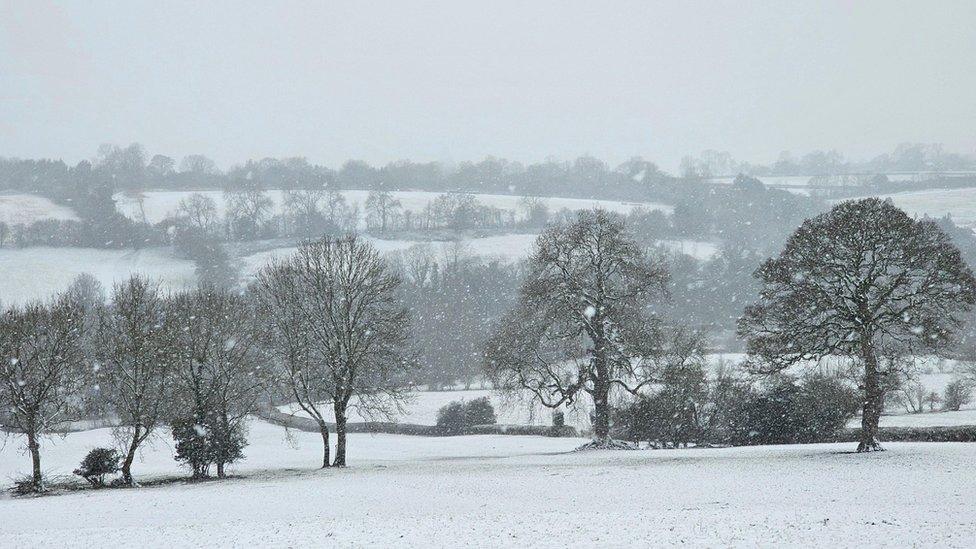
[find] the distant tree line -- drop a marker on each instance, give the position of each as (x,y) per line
(906,157)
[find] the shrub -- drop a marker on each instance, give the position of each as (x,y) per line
(791,412)
(675,415)
(957,394)
(479,412)
(558,419)
(457,416)
(451,417)
(203,443)
(98,463)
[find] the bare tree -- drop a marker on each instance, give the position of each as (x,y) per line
(198,211)
(41,371)
(135,362)
(218,371)
(581,325)
(247,211)
(381,206)
(863,280)
(336,326)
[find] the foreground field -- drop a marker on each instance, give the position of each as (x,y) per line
(490,491)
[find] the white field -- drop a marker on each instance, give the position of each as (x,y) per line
(498,491)
(154,206)
(959,203)
(24,209)
(38,273)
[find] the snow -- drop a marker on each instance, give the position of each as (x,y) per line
(491,491)
(959,203)
(155,206)
(38,273)
(699,249)
(24,209)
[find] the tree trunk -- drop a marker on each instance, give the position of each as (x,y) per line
(873,396)
(601,412)
(130,456)
(324,429)
(220,470)
(340,415)
(37,482)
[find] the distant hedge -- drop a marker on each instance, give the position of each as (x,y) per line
(277,417)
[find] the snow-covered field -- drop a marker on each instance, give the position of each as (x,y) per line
(24,209)
(154,206)
(498,491)
(959,203)
(37,273)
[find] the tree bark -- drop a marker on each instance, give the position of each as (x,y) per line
(340,415)
(324,429)
(601,410)
(871,413)
(220,470)
(130,456)
(35,451)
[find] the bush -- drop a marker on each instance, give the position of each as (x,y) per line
(558,419)
(451,417)
(957,394)
(790,412)
(457,416)
(203,443)
(479,412)
(98,463)
(675,415)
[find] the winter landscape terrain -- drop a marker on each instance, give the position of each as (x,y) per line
(457,274)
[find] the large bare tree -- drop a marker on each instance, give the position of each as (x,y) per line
(582,323)
(863,280)
(42,371)
(136,361)
(335,325)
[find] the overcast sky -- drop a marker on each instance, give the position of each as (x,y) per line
(455,80)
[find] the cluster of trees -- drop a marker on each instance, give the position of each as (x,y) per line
(328,328)
(324,326)
(864,282)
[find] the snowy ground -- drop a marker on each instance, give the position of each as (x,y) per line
(494,491)
(24,209)
(38,273)
(154,206)
(959,203)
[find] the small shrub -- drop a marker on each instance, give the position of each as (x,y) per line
(479,412)
(98,463)
(558,419)
(451,417)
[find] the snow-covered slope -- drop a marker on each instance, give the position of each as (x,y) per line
(24,209)
(959,203)
(37,273)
